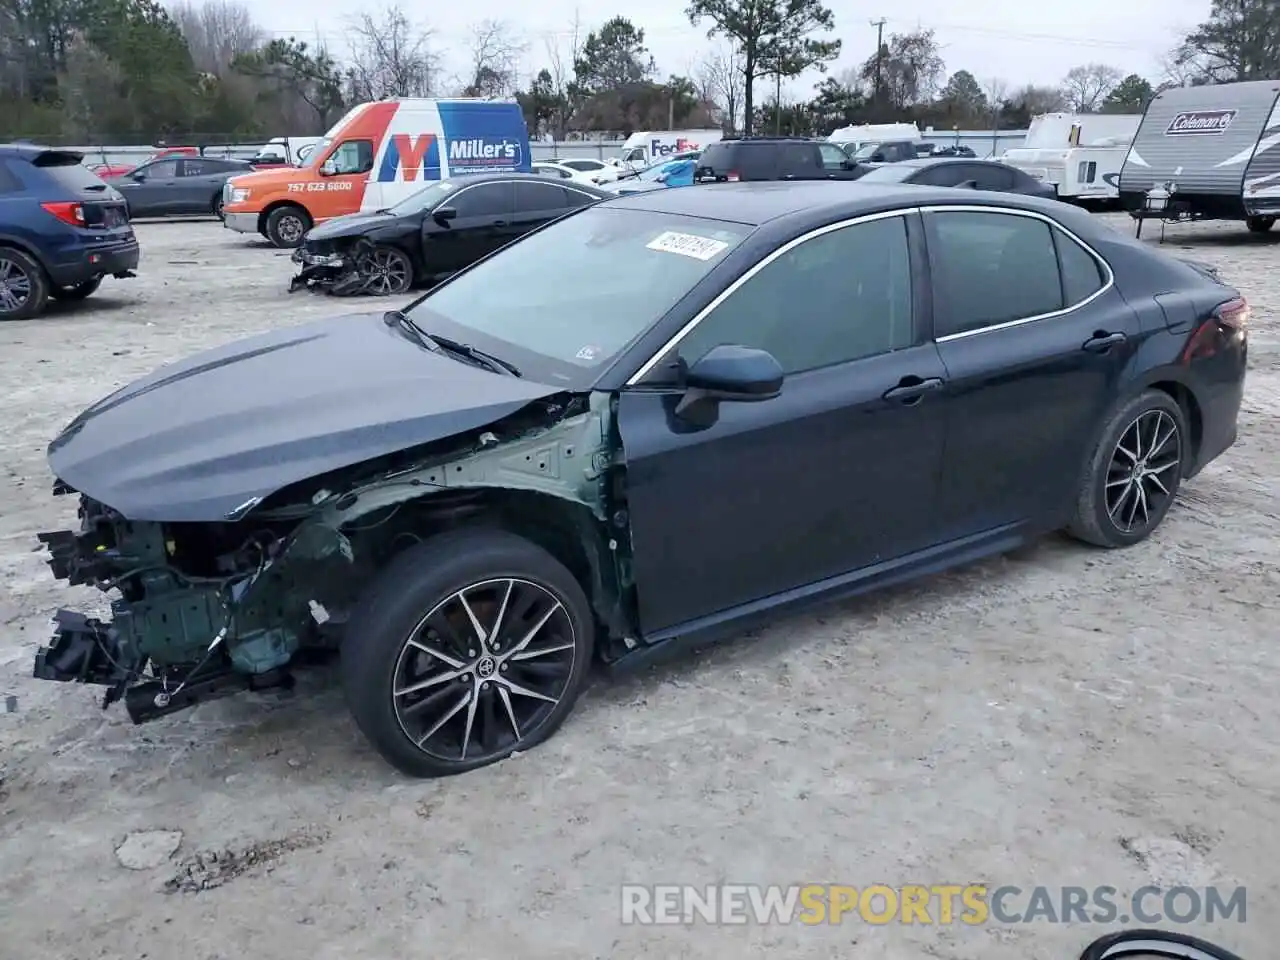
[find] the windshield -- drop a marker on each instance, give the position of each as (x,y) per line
(313,158)
(865,151)
(423,199)
(567,299)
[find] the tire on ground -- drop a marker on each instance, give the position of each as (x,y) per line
(1091,522)
(78,292)
(38,298)
(415,582)
(280,219)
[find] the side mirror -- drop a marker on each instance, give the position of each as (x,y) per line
(327,169)
(727,373)
(443,215)
(877,158)
(137,177)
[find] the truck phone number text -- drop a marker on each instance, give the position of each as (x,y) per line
(323,185)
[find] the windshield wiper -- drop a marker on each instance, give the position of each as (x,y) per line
(434,341)
(496,364)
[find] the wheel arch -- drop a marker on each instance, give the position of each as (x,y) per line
(13,243)
(1174,382)
(275,205)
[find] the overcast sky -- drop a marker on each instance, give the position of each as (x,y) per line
(1011,39)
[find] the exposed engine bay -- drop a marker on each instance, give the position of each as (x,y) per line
(206,609)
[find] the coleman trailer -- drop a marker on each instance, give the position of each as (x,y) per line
(1210,152)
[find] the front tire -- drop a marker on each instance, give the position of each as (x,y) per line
(80,291)
(217,207)
(389,271)
(469,646)
(286,225)
(24,289)
(1134,472)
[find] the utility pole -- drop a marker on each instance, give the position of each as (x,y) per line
(777,105)
(875,98)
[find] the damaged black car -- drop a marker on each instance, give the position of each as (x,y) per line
(438,231)
(642,427)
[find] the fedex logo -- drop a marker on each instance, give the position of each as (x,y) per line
(480,153)
(658,148)
(406,156)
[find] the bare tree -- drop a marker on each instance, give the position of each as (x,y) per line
(391,56)
(1087,86)
(1180,66)
(216,31)
(723,83)
(563,51)
(496,51)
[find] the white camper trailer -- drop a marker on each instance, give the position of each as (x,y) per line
(1080,154)
(1210,152)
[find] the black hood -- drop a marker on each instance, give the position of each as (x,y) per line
(348,225)
(198,439)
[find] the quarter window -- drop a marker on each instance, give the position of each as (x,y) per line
(992,268)
(838,297)
(1081,275)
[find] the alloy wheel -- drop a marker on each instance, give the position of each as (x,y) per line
(1142,471)
(388,272)
(15,286)
(483,670)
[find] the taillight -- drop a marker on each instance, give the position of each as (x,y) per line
(69,213)
(732,176)
(1233,313)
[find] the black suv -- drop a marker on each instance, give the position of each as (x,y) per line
(773,158)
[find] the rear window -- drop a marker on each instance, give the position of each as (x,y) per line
(66,170)
(718,156)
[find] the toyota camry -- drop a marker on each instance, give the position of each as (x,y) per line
(636,429)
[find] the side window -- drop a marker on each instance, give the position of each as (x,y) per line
(352,156)
(1082,276)
(1087,172)
(752,161)
(160,170)
(537,197)
(990,176)
(9,182)
(992,268)
(942,175)
(634,155)
(839,297)
(486,200)
(833,158)
(198,168)
(799,158)
(576,198)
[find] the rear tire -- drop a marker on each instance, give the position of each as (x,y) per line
(79,292)
(1260,224)
(24,289)
(1133,473)
(286,226)
(432,694)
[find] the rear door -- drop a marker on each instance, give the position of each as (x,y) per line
(199,181)
(536,204)
(1035,339)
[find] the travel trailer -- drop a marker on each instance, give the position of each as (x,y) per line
(1080,154)
(854,138)
(1210,152)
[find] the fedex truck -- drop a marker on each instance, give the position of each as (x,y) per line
(651,146)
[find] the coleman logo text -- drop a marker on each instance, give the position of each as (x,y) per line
(1200,122)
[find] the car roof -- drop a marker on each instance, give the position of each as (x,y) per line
(755,204)
(938,161)
(470,179)
(29,151)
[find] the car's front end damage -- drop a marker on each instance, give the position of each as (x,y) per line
(229,555)
(346,268)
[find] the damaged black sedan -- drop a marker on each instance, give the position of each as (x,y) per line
(438,231)
(760,397)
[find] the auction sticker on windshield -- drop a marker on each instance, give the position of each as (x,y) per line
(687,245)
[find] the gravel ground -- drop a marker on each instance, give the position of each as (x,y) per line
(1063,716)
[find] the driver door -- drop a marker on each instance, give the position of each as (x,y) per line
(156,193)
(484,221)
(837,474)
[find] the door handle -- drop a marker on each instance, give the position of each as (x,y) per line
(911,389)
(1102,342)
(500,223)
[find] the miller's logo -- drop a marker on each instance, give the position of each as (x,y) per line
(1200,123)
